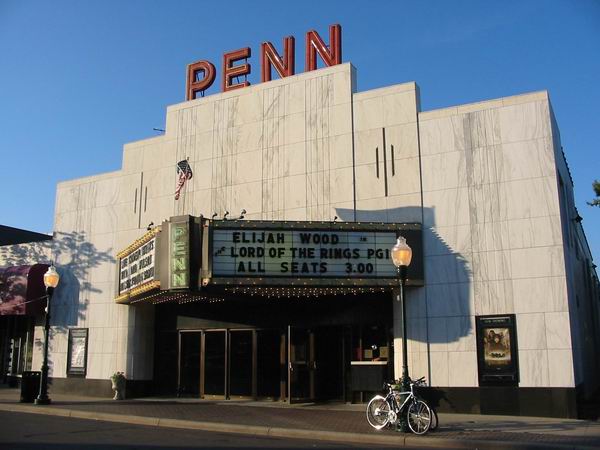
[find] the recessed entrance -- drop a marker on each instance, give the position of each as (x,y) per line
(251,363)
(316,365)
(283,349)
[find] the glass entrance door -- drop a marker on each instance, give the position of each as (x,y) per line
(232,363)
(329,363)
(241,363)
(270,360)
(214,363)
(189,363)
(301,365)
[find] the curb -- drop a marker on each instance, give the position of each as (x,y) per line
(265,431)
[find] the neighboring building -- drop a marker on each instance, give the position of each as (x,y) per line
(21,298)
(503,319)
(10,236)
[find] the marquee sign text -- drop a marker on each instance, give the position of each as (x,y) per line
(137,268)
(179,255)
(300,253)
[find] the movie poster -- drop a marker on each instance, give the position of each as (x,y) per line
(78,352)
(496,347)
(498,362)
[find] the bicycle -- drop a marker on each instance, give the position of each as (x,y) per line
(382,411)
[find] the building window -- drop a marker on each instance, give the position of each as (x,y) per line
(497,357)
(77,356)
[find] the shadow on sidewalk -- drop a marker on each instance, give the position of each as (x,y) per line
(46,446)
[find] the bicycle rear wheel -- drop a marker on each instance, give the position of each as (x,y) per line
(434,419)
(378,412)
(418,417)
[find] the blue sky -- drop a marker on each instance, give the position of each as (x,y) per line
(79,79)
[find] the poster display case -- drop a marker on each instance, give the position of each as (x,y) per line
(77,352)
(497,357)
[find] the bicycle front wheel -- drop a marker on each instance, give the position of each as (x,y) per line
(418,417)
(378,412)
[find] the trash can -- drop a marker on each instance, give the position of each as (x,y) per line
(30,386)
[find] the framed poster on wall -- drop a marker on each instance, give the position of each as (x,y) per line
(77,352)
(497,358)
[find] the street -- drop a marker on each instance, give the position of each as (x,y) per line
(21,431)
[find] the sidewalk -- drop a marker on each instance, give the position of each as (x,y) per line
(332,422)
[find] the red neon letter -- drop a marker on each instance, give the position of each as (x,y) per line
(331,55)
(192,85)
(230,71)
(269,57)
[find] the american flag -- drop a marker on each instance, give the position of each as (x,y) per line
(184,173)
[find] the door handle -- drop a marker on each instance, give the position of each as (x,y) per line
(291,367)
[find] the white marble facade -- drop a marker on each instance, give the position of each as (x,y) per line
(493,239)
(481,178)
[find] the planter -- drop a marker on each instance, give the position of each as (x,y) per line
(119,387)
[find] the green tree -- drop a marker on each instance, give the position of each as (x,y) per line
(596,187)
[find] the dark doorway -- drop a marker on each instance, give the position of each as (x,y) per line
(16,346)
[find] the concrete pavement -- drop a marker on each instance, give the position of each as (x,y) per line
(331,422)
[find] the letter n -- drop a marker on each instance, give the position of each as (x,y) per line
(179,263)
(331,55)
(269,57)
(179,280)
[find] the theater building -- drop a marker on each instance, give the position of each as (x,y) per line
(268,276)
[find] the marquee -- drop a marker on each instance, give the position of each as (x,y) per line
(307,253)
(191,255)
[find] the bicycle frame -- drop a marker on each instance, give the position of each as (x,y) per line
(390,398)
(409,396)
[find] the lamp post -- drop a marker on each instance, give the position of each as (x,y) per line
(51,278)
(401,256)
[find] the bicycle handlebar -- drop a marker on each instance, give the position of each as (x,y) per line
(389,384)
(420,380)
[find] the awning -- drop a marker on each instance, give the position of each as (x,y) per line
(21,289)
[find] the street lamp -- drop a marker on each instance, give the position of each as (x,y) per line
(401,256)
(51,278)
